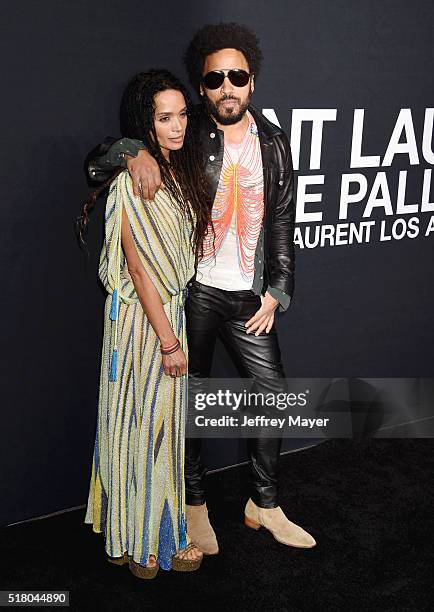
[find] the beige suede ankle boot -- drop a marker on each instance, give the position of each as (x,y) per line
(199,529)
(275,521)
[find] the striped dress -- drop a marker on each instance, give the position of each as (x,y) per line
(136,495)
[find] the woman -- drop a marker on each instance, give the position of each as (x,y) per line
(136,495)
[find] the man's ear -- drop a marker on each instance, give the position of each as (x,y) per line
(201,90)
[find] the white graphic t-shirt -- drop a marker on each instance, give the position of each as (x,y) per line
(236,216)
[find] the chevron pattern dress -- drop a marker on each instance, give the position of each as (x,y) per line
(136,494)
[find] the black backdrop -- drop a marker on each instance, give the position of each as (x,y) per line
(359,310)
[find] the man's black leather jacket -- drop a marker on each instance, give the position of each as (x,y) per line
(275,255)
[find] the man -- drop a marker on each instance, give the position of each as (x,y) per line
(247,269)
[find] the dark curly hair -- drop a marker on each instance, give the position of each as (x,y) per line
(137,122)
(211,38)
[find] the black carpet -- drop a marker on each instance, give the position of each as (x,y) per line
(368,504)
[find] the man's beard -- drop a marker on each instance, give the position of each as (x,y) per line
(231,117)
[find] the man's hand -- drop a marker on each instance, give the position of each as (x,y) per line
(264,317)
(145,174)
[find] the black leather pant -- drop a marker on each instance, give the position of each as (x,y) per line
(212,312)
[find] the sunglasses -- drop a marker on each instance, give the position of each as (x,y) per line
(215,78)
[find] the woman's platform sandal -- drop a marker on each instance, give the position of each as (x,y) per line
(119,560)
(181,562)
(142,571)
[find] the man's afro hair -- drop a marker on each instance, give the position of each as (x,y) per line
(211,38)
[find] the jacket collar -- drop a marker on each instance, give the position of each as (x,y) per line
(268,129)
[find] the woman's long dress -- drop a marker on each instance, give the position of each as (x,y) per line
(136,495)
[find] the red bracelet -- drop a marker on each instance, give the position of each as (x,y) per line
(170,349)
(167,348)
